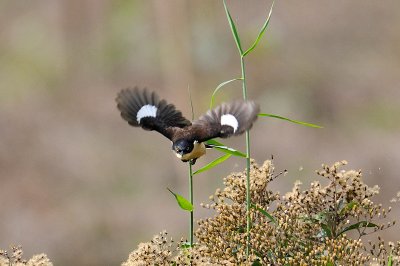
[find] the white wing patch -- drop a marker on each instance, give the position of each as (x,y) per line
(146,111)
(230,120)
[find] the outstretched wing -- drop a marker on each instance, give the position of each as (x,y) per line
(227,119)
(143,108)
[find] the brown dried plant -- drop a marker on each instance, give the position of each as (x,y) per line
(325,224)
(14,258)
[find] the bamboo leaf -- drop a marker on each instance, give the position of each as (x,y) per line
(262,31)
(233,29)
(348,207)
(221,147)
(185,245)
(182,202)
(361,224)
(256,263)
(219,87)
(265,213)
(230,151)
(326,229)
(291,120)
(214,142)
(213,163)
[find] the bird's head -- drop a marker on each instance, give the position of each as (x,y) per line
(182,147)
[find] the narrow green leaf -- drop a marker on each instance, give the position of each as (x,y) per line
(265,213)
(348,207)
(182,202)
(185,245)
(219,87)
(240,229)
(221,147)
(233,29)
(230,151)
(213,163)
(214,142)
(290,120)
(321,217)
(361,224)
(262,31)
(256,263)
(327,230)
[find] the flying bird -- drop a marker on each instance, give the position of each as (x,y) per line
(143,108)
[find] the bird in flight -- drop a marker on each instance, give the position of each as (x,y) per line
(143,108)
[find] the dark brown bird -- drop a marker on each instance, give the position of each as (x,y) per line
(143,108)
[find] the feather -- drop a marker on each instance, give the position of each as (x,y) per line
(140,107)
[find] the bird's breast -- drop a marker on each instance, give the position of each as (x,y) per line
(199,149)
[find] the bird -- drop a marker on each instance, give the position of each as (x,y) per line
(144,108)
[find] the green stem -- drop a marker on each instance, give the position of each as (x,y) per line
(243,77)
(248,195)
(191,202)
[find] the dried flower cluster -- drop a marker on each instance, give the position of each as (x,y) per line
(304,227)
(162,250)
(15,258)
(225,234)
(156,252)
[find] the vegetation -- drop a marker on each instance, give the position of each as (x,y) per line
(331,222)
(14,257)
(328,223)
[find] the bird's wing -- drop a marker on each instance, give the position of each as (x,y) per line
(227,119)
(142,108)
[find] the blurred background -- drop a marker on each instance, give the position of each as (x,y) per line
(79,184)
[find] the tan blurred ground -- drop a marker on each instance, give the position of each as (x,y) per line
(82,186)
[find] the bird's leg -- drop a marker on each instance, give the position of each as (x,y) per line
(192,161)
